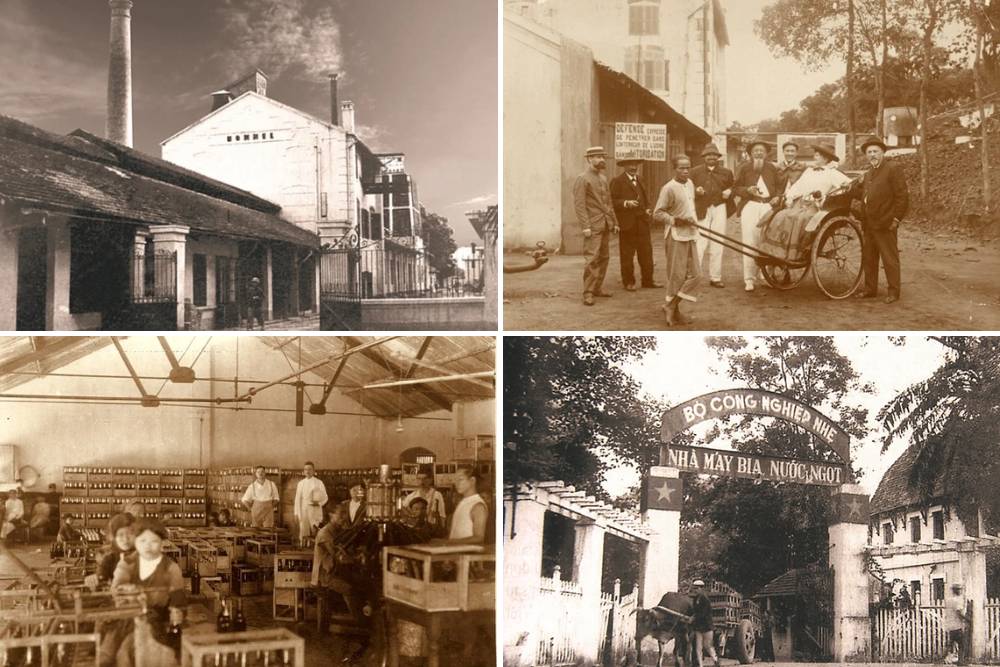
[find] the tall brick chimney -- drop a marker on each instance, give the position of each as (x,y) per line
(119,122)
(334,106)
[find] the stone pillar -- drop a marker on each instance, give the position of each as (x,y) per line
(490,271)
(848,533)
(661,561)
(8,276)
(522,571)
(57,316)
(294,305)
(588,563)
(139,263)
(119,121)
(173,238)
(972,568)
(268,291)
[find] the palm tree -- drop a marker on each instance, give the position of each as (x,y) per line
(953,422)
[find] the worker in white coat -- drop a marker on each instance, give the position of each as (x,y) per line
(310,497)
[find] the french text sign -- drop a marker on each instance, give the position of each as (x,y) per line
(640,141)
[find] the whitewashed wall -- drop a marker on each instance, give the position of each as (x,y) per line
(305,158)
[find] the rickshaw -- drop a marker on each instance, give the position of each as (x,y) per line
(829,245)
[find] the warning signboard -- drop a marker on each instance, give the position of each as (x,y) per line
(640,141)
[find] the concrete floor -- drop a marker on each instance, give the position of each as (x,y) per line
(320,650)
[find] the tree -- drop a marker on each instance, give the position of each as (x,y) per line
(931,23)
(951,419)
(571,410)
(979,17)
(770,527)
(440,245)
(812,32)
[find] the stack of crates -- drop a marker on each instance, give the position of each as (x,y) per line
(292,575)
(726,604)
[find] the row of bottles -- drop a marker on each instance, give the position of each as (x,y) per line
(285,564)
(230,618)
(272,658)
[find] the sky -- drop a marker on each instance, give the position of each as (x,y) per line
(760,85)
(422,75)
(682,367)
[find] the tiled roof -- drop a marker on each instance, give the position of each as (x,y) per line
(783,584)
(80,176)
(894,490)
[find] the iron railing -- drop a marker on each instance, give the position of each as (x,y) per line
(154,278)
(389,270)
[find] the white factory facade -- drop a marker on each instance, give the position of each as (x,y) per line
(321,174)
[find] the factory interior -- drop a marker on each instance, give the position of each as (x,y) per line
(238,500)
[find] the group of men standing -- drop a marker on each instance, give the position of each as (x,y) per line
(697,202)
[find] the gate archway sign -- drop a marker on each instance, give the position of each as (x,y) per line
(755,402)
(761,403)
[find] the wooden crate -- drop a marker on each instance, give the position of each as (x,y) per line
(223,554)
(202,555)
(283,647)
(260,552)
(246,580)
(440,578)
(293,569)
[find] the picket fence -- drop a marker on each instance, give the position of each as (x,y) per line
(559,602)
(561,605)
(618,620)
(992,613)
(910,634)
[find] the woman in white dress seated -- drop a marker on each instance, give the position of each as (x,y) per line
(786,234)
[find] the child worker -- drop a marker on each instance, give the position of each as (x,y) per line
(157,576)
(122,544)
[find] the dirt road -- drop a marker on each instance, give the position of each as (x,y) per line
(948,285)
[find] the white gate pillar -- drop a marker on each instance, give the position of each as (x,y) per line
(588,568)
(523,525)
(972,566)
(662,518)
(848,533)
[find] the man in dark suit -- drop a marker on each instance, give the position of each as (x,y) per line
(713,185)
(632,208)
(884,201)
(760,187)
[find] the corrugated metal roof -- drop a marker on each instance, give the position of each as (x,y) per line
(396,358)
(400,357)
(84,176)
(625,82)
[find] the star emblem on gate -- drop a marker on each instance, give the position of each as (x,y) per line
(664,492)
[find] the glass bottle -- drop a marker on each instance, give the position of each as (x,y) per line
(224,622)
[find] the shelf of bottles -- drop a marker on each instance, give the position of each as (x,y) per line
(93,495)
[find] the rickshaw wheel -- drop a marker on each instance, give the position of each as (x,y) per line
(782,276)
(836,257)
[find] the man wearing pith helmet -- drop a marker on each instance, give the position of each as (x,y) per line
(596,215)
(713,184)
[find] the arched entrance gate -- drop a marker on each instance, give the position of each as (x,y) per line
(848,531)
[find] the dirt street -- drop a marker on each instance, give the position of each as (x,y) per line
(948,284)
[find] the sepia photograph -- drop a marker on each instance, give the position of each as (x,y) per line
(751,165)
(248,164)
(688,500)
(247,501)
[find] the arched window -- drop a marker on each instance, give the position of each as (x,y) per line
(644,17)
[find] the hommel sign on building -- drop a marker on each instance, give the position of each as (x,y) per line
(754,466)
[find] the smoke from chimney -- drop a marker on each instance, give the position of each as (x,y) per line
(334,106)
(119,121)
